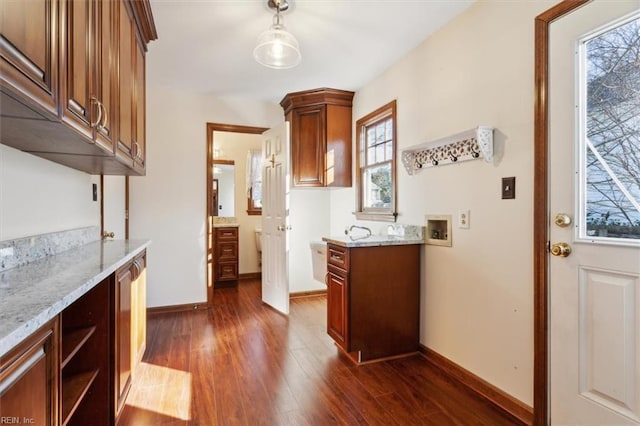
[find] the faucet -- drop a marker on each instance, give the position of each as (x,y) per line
(352,227)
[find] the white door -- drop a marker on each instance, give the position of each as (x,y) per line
(275,217)
(594,166)
(114,206)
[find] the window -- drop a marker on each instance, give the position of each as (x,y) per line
(254,183)
(610,134)
(376,165)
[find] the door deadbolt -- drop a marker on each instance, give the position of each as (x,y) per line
(562,220)
(560,249)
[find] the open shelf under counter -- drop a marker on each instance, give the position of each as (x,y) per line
(74,388)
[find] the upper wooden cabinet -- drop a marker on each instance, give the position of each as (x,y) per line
(320,137)
(131,68)
(87,59)
(87,110)
(29,53)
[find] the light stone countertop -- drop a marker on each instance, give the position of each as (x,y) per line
(373,240)
(226,225)
(35,293)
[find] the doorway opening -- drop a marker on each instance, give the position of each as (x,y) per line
(217,156)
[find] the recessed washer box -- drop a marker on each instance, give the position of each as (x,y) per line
(438,230)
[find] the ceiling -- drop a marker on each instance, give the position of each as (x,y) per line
(206,46)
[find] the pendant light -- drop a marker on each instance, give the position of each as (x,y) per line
(276,47)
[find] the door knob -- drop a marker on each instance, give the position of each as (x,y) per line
(562,220)
(107,234)
(560,249)
(281,228)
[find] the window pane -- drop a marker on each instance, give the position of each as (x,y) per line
(389,131)
(377,186)
(612,146)
(389,150)
(380,153)
(380,132)
(371,136)
(371,156)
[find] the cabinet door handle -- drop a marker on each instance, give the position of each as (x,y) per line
(97,102)
(105,120)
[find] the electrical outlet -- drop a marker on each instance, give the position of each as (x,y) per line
(463,219)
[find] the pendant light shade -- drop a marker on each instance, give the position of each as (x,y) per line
(276,47)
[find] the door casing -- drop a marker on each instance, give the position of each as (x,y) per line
(540,208)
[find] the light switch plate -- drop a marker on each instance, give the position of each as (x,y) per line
(508,188)
(463,219)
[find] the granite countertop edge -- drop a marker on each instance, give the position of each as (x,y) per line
(33,294)
(372,241)
(226,225)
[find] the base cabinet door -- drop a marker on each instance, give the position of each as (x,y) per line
(28,379)
(337,307)
(122,334)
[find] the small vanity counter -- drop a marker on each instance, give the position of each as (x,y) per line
(34,294)
(373,240)
(373,294)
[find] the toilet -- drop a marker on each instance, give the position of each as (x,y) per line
(258,236)
(319,260)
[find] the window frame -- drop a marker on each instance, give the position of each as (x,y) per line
(368,213)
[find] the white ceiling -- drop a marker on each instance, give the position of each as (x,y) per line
(207,45)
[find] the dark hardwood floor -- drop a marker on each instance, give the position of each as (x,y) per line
(242,363)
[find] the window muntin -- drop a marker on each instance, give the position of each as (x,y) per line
(609,105)
(376,134)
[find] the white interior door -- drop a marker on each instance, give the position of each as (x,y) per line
(275,217)
(594,166)
(114,206)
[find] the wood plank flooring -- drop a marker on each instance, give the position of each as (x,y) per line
(243,363)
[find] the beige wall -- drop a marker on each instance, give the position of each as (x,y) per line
(38,196)
(168,204)
(477,296)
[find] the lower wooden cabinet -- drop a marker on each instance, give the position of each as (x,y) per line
(77,369)
(373,300)
(122,334)
(85,361)
(130,312)
(226,256)
(29,377)
(337,306)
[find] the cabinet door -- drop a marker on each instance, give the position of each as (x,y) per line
(79,100)
(28,381)
(122,331)
(139,86)
(29,51)
(106,76)
(308,140)
(126,77)
(337,308)
(139,311)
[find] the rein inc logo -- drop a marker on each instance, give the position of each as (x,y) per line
(6,420)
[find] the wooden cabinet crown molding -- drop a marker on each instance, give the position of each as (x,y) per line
(144,20)
(322,96)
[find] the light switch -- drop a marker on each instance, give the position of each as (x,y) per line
(463,219)
(508,188)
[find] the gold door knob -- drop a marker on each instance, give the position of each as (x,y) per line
(562,220)
(560,249)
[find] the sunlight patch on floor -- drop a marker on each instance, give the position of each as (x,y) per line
(175,398)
